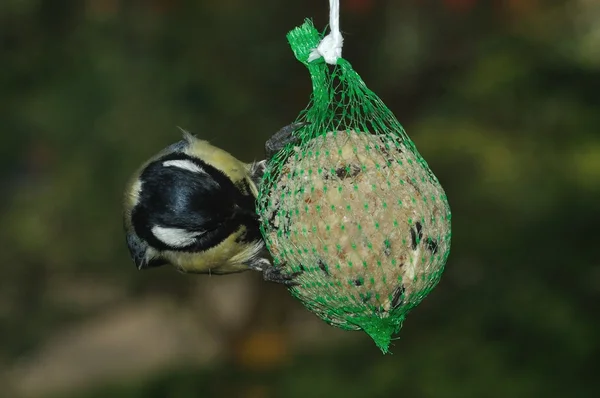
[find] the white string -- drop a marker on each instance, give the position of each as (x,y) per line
(330,48)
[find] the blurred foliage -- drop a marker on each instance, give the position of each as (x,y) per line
(501,98)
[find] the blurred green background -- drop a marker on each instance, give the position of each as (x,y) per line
(501,97)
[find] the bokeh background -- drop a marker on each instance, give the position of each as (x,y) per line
(502,97)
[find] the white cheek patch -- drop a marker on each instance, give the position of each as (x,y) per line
(175,237)
(184,164)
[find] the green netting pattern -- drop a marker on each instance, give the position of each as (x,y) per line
(353,207)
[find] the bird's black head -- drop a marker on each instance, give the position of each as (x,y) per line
(188,205)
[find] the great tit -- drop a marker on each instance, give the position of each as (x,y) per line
(193,206)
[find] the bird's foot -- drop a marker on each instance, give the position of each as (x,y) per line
(272,273)
(281,138)
(275,274)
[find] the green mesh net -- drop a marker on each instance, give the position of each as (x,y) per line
(353,207)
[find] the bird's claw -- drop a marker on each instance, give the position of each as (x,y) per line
(283,137)
(274,274)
